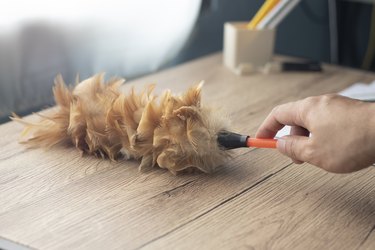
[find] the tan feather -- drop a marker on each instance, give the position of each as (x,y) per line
(174,132)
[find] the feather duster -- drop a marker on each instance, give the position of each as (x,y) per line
(175,132)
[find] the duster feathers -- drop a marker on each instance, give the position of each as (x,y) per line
(171,131)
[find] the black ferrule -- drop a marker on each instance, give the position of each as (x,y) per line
(230,140)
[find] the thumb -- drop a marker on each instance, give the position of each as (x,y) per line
(294,147)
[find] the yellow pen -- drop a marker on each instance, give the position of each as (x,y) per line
(262,12)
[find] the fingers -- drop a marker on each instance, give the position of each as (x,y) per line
(295,147)
(286,114)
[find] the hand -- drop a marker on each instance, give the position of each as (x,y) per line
(342,132)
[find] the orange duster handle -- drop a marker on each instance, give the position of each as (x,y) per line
(261,143)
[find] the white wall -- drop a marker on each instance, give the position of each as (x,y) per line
(41,38)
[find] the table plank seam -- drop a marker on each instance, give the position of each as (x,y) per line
(217,206)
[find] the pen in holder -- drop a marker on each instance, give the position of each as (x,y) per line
(246,50)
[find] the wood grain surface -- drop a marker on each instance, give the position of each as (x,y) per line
(56,199)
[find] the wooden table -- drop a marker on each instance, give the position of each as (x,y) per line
(56,199)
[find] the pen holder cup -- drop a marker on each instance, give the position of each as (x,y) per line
(246,50)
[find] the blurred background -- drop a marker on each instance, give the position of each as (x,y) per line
(130,38)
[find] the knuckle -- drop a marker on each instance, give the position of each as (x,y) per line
(309,104)
(301,115)
(308,153)
(305,108)
(311,100)
(275,110)
(291,149)
(327,99)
